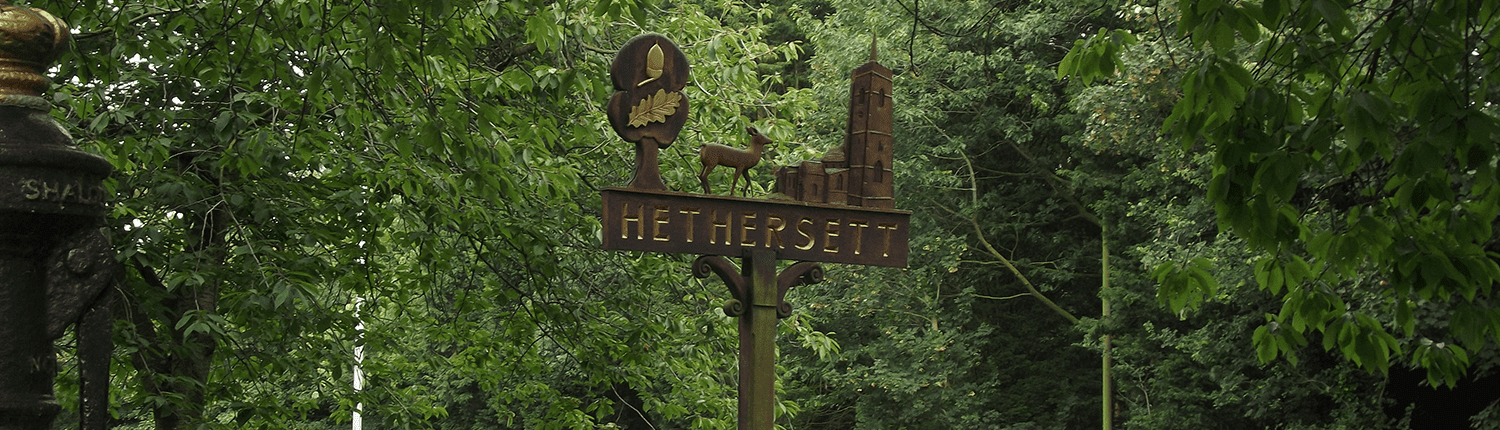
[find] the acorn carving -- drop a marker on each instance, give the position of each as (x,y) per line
(654,62)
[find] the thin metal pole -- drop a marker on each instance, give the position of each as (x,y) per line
(1108,398)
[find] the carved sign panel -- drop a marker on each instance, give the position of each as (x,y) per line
(664,221)
(840,209)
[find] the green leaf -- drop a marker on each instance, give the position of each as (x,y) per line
(1404,317)
(222,121)
(1271,12)
(518,80)
(1347,344)
(1274,278)
(1265,348)
(1330,338)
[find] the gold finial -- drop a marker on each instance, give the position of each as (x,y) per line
(30,40)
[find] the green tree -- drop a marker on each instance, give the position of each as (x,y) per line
(1354,151)
(280,160)
(1179,368)
(1025,191)
(960,340)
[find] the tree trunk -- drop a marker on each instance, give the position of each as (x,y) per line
(179,369)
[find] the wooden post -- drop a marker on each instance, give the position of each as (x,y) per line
(758,343)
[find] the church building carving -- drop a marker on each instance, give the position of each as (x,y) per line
(858,173)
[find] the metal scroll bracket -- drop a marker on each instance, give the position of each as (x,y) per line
(81,275)
(757,284)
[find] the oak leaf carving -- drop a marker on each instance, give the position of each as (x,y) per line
(655,108)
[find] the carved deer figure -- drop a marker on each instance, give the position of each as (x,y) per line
(713,155)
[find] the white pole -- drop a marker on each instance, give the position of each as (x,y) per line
(359,357)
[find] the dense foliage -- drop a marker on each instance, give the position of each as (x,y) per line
(1122,231)
(1354,152)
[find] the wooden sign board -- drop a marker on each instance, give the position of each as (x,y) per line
(666,221)
(839,209)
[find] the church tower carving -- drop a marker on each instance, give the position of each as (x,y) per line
(858,173)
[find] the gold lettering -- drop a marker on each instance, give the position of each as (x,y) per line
(48,190)
(658,217)
(805,233)
(76,191)
(888,229)
(859,234)
(28,186)
(89,194)
(774,225)
(715,225)
(747,224)
(689,212)
(831,231)
(625,220)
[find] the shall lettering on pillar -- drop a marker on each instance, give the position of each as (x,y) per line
(61,192)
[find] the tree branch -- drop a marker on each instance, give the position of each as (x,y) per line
(1057,185)
(132,22)
(979,233)
(1024,280)
(1000,298)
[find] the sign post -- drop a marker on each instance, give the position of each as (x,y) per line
(840,209)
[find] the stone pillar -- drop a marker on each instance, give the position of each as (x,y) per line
(49,190)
